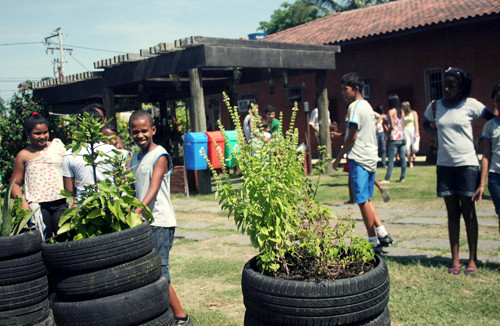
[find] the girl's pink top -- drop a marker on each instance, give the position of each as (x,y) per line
(398,132)
(43,180)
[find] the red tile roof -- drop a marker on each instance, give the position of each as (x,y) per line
(385,18)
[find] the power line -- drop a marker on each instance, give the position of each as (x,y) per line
(19,43)
(75,46)
(81,64)
(94,49)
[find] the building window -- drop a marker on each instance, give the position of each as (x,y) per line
(367,90)
(294,94)
(245,100)
(433,84)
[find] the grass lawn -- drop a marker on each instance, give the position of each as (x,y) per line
(207,274)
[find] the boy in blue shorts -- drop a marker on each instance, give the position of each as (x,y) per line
(152,167)
(361,147)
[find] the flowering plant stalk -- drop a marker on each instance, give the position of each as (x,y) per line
(275,205)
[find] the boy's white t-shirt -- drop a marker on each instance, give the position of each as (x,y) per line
(454,127)
(161,205)
(314,119)
(491,131)
(76,167)
(364,150)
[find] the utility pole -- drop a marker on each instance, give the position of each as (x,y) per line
(58,63)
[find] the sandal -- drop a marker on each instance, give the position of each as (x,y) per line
(470,270)
(455,270)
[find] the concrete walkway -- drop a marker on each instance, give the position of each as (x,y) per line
(417,233)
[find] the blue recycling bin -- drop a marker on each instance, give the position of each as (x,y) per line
(195,149)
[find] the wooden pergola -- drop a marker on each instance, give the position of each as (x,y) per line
(189,68)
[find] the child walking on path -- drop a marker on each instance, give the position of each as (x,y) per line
(152,167)
(361,148)
(490,163)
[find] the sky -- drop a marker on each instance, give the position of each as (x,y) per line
(111,27)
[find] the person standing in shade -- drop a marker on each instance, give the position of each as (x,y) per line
(412,133)
(248,121)
(361,148)
(271,117)
(380,117)
(397,143)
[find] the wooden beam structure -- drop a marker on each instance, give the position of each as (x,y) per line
(163,69)
(188,68)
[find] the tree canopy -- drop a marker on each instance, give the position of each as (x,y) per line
(304,11)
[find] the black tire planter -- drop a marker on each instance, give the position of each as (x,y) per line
(23,294)
(383,319)
(99,252)
(339,302)
(21,269)
(26,316)
(113,280)
(20,245)
(129,308)
(165,319)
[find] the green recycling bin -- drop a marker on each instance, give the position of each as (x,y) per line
(231,145)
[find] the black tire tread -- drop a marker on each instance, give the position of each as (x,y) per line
(113,280)
(339,302)
(125,309)
(98,252)
(26,316)
(21,269)
(165,319)
(23,294)
(20,245)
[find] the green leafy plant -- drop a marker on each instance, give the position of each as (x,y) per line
(107,205)
(275,205)
(13,218)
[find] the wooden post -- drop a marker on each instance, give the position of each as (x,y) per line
(199,123)
(108,100)
(324,126)
(164,132)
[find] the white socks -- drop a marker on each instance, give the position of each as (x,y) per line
(374,240)
(381,232)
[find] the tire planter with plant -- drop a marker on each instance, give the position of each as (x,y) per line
(97,253)
(311,270)
(111,279)
(102,262)
(23,281)
(340,302)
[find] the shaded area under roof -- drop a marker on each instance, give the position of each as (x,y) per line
(162,71)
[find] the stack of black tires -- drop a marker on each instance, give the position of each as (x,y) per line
(23,281)
(360,300)
(111,279)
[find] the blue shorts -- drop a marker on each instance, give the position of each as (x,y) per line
(362,182)
(459,180)
(163,239)
(494,188)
